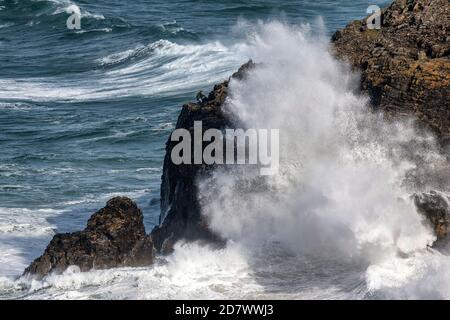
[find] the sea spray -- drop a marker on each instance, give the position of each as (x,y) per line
(342,191)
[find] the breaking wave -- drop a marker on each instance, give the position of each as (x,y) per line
(346,174)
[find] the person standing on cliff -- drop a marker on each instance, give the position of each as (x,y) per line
(201,98)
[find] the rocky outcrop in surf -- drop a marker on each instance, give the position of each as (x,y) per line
(405,65)
(114,237)
(180,209)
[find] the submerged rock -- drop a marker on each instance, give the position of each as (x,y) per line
(436,208)
(114,237)
(405,65)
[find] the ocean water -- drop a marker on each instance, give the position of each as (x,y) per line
(84,116)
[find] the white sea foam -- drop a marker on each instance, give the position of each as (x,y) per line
(17,106)
(425,274)
(171,27)
(100,199)
(192,272)
(24,233)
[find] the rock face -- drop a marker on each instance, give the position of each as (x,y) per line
(405,68)
(405,65)
(114,237)
(180,210)
(436,207)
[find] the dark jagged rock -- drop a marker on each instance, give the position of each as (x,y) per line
(405,65)
(114,237)
(436,207)
(180,210)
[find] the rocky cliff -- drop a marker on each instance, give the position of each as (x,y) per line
(405,65)
(180,210)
